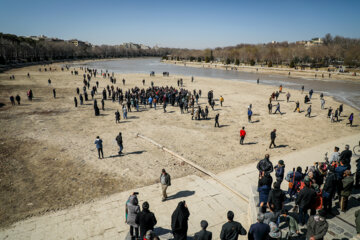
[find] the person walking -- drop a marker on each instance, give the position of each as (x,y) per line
(12,100)
(179,221)
(117,116)
(351,119)
(278,109)
(103,104)
(273,137)
(75,101)
(270,107)
(297,106)
(17,98)
(99,146)
(288,97)
(145,219)
(165,181)
(217,120)
(242,135)
(232,229)
(250,113)
(119,141)
(131,210)
(311,93)
(308,112)
(323,103)
(203,234)
(259,230)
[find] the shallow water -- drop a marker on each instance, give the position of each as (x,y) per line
(345,91)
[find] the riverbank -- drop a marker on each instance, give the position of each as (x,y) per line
(270,70)
(49,160)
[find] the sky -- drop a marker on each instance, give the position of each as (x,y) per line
(181,24)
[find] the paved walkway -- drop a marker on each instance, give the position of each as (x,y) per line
(206,199)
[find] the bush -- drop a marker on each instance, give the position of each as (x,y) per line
(270,64)
(207,59)
(177,58)
(199,59)
(252,62)
(292,64)
(237,62)
(227,61)
(164,58)
(192,59)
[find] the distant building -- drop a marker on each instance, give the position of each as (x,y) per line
(78,43)
(312,42)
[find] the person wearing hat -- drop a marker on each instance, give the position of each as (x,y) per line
(145,219)
(317,226)
(203,234)
(305,200)
(279,171)
(232,229)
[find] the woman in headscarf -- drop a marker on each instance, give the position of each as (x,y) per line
(179,221)
(132,209)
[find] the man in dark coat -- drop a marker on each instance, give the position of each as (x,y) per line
(179,221)
(17,98)
(265,165)
(119,142)
(276,197)
(272,137)
(145,219)
(305,200)
(232,229)
(329,189)
(345,156)
(347,186)
(203,234)
(259,230)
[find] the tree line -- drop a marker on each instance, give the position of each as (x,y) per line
(333,51)
(16,49)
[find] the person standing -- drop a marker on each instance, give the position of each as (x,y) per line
(270,107)
(329,189)
(221,100)
(231,229)
(203,234)
(249,114)
(12,100)
(347,186)
(305,201)
(119,141)
(317,226)
(302,89)
(217,120)
(165,181)
(131,210)
(311,93)
(345,156)
(17,98)
(179,221)
(75,101)
(99,146)
(335,156)
(242,135)
(259,230)
(265,165)
(145,219)
(279,171)
(323,103)
(288,97)
(341,109)
(117,116)
(308,114)
(54,93)
(273,137)
(351,119)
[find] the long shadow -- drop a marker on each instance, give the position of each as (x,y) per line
(135,152)
(124,121)
(170,111)
(221,126)
(2,104)
(256,121)
(159,231)
(181,194)
(250,143)
(87,104)
(103,114)
(256,114)
(313,116)
(132,117)
(354,125)
(281,146)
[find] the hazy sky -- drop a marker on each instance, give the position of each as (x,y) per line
(185,24)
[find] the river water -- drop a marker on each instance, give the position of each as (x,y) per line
(345,91)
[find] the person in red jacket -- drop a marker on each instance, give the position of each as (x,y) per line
(242,135)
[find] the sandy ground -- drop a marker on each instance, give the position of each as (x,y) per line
(48,158)
(280,70)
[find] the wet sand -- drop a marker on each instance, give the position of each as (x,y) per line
(49,160)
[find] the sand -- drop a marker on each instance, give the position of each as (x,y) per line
(275,70)
(48,157)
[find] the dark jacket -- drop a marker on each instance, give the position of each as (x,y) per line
(146,220)
(265,166)
(119,140)
(273,135)
(340,171)
(167,179)
(232,230)
(306,198)
(279,172)
(179,221)
(277,197)
(317,227)
(259,231)
(347,186)
(346,156)
(357,221)
(203,235)
(330,183)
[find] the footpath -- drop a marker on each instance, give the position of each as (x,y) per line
(206,199)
